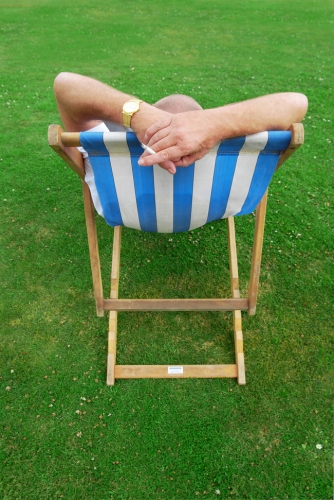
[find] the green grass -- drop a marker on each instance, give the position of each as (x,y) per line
(164,439)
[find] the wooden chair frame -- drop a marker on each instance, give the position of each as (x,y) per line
(64,144)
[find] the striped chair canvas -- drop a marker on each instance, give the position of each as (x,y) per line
(232,179)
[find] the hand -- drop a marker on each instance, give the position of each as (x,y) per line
(181,138)
(141,121)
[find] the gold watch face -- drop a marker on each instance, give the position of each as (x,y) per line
(130,107)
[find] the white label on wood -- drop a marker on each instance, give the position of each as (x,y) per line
(175,370)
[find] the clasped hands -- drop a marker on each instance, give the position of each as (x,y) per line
(178,140)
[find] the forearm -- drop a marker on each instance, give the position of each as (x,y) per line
(270,112)
(187,137)
(83,100)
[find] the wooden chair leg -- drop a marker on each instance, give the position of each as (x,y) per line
(112,335)
(257,253)
(237,325)
(93,249)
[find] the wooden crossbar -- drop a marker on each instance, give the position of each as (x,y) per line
(175,304)
(175,371)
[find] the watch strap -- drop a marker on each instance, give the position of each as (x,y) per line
(128,115)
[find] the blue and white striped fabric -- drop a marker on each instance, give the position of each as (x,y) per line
(230,180)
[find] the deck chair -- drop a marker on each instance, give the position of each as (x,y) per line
(231,180)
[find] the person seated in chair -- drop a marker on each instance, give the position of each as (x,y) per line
(176,127)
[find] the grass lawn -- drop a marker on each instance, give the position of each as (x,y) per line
(64,433)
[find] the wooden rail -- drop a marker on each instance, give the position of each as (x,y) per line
(175,304)
(170,371)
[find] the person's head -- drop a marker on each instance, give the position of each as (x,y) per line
(177,103)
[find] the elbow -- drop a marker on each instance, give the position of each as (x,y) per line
(62,82)
(299,104)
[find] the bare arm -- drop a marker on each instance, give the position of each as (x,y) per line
(84,102)
(186,137)
(179,139)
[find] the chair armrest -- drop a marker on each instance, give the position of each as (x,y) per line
(71,155)
(297,140)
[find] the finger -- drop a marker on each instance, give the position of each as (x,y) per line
(159,143)
(184,147)
(160,157)
(162,135)
(169,143)
(153,129)
(187,160)
(169,166)
(166,165)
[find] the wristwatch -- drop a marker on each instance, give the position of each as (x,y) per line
(129,109)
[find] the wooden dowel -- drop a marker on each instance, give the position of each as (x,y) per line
(71,139)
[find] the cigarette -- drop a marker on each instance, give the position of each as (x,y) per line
(149,150)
